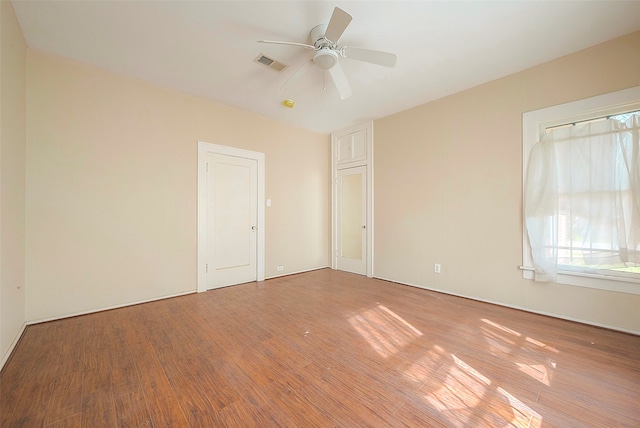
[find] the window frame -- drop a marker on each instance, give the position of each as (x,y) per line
(534,125)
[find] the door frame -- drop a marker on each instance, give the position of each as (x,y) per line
(205,148)
(368,162)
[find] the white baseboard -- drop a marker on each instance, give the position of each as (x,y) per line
(16,339)
(297,272)
(108,308)
(520,308)
(76,314)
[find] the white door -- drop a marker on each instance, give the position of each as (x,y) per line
(351,219)
(232,200)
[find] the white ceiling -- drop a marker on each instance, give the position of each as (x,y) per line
(207,48)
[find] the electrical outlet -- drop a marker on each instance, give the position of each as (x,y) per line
(436,268)
(279,268)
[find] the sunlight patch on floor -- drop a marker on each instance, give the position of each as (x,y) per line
(536,371)
(463,390)
(501,327)
(384,330)
(542,345)
(514,333)
(467,368)
(519,405)
(424,367)
(500,343)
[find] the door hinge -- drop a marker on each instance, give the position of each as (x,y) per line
(206,268)
(207,167)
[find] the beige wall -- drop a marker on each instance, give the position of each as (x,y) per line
(448,187)
(112,181)
(111,187)
(12,178)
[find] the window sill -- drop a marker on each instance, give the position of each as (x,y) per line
(600,282)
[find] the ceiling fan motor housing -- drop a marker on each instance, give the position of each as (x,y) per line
(317,36)
(326,56)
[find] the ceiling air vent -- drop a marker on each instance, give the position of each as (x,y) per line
(270,63)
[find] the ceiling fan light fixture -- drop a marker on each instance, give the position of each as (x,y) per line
(325,58)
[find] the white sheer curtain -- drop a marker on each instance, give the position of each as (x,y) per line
(582,198)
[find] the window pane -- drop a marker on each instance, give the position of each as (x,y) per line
(595,196)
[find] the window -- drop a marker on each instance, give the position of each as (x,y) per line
(581,176)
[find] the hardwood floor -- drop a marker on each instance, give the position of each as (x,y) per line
(324,348)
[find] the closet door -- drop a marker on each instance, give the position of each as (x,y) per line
(351,147)
(351,219)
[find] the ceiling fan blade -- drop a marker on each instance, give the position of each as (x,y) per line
(367,55)
(275,42)
(337,24)
(296,74)
(340,80)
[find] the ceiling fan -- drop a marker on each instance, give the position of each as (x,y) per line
(324,41)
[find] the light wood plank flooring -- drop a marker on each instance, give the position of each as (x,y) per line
(323,348)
